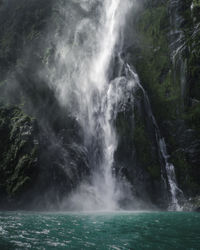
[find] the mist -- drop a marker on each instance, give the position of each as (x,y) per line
(70,73)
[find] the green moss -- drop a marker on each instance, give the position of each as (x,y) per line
(192,47)
(192,116)
(154,66)
(184,173)
(20,186)
(162,80)
(123,126)
(154,171)
(18,152)
(144,146)
(196,3)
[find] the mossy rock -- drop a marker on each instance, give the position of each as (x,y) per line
(153,62)
(161,77)
(186,173)
(18,150)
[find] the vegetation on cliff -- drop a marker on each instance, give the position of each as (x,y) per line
(18,152)
(169,69)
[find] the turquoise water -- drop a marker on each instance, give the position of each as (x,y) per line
(99,230)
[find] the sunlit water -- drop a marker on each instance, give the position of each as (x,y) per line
(126,230)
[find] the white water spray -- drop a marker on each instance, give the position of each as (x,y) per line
(85,88)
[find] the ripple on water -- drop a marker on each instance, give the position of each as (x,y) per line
(2,231)
(21,244)
(105,231)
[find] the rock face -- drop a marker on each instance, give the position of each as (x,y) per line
(37,168)
(165,55)
(18,153)
(137,155)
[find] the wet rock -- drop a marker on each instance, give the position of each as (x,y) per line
(194,101)
(18,152)
(192,204)
(197,210)
(193,152)
(137,157)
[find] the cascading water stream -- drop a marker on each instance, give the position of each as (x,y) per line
(168,167)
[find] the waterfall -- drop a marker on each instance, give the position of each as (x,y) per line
(169,169)
(85,86)
(86,83)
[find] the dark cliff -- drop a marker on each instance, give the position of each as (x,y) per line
(166,57)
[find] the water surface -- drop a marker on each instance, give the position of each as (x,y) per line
(124,230)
